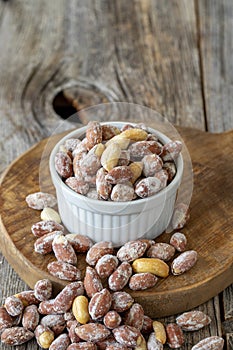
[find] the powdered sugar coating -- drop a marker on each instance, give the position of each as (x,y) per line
(120,277)
(40,200)
(41,228)
(131,250)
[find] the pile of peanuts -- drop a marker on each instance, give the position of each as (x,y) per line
(117,164)
(95,312)
(80,318)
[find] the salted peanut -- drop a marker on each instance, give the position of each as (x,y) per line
(40,200)
(142,281)
(153,343)
(92,282)
(121,301)
(119,174)
(98,250)
(43,289)
(209,343)
(63,165)
(106,265)
(193,320)
(31,317)
(83,345)
(97,150)
(180,216)
(71,144)
(93,133)
(43,245)
(149,242)
(80,243)
(6,321)
(159,331)
(171,150)
(60,343)
(175,337)
(147,326)
(140,149)
(13,305)
(109,131)
(184,262)
(64,271)
(27,297)
(90,164)
(77,185)
(120,277)
(52,320)
(131,250)
(76,164)
(127,335)
(44,336)
(50,214)
(71,325)
(178,241)
(134,134)
(64,299)
(122,142)
(58,329)
(148,187)
(152,163)
(170,167)
(110,156)
(136,168)
(63,250)
(163,251)
(122,193)
(80,309)
(124,158)
(41,228)
(100,304)
(112,319)
(16,336)
(47,307)
(109,343)
(141,343)
(92,332)
(162,175)
(92,194)
(155,266)
(103,187)
(134,316)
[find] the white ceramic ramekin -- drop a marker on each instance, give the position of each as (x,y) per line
(118,222)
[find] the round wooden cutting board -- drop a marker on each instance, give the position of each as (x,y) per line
(209,230)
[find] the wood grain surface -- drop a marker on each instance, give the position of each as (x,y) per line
(174,56)
(208,232)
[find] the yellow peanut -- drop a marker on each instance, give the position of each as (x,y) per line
(46,339)
(98,149)
(80,309)
(141,343)
(134,134)
(160,332)
(156,266)
(122,142)
(110,156)
(136,168)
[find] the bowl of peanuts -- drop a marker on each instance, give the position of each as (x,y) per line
(116,181)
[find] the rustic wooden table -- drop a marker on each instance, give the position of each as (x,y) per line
(59,56)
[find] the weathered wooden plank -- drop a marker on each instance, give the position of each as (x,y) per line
(143,51)
(215,20)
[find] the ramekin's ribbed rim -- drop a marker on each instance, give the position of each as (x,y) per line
(101,205)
